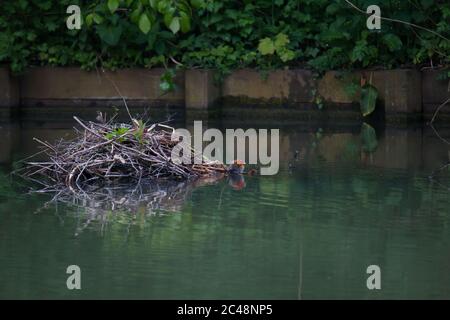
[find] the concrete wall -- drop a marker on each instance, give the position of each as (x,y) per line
(71,86)
(282,86)
(401,92)
(9,92)
(201,89)
(435,92)
(332,87)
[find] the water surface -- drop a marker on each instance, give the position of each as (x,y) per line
(309,232)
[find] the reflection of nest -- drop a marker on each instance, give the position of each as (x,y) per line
(148,197)
(123,203)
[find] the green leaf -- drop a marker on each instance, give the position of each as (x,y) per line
(286,55)
(281,40)
(89,19)
(175,25)
(266,46)
(185,22)
(160,47)
(109,34)
(139,128)
(167,80)
(153,3)
(368,100)
(197,3)
(168,19)
(113,5)
(392,41)
(183,6)
(332,9)
(162,6)
(369,142)
(165,86)
(135,15)
(31,36)
(116,134)
(97,18)
(44,4)
(51,25)
(352,89)
(359,51)
(144,23)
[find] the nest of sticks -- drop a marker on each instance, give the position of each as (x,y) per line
(107,152)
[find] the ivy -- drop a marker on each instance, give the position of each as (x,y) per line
(144,23)
(269,46)
(224,35)
(167,82)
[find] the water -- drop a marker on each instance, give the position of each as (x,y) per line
(309,232)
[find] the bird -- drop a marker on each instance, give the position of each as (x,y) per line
(236,172)
(237,167)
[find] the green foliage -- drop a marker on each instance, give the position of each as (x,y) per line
(139,129)
(392,42)
(117,134)
(268,46)
(144,23)
(113,5)
(368,100)
(114,34)
(367,93)
(444,75)
(352,89)
(167,83)
(223,35)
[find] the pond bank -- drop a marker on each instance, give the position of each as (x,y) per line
(404,95)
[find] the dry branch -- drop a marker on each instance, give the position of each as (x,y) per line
(106,153)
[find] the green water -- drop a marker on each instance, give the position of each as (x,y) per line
(309,232)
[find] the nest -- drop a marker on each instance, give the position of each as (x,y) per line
(103,153)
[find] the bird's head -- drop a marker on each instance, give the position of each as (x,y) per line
(237,167)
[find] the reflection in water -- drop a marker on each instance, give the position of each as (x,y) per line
(103,203)
(237,181)
(146,198)
(338,205)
